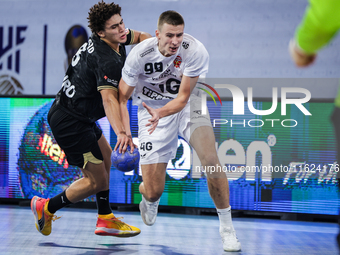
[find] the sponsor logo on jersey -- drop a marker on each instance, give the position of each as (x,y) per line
(185,45)
(127,73)
(114,82)
(165,74)
(147,52)
(177,61)
(153,94)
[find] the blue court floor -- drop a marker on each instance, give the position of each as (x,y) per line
(172,234)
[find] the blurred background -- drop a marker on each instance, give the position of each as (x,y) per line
(245,39)
(248,45)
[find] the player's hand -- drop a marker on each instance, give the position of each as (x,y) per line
(300,58)
(131,144)
(153,122)
(122,142)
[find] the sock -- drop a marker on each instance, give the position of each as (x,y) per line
(58,202)
(103,203)
(225,218)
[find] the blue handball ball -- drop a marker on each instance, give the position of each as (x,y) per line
(127,161)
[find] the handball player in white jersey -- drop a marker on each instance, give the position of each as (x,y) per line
(162,73)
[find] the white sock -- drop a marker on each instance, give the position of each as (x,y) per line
(225,218)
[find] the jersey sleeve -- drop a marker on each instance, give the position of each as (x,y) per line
(107,79)
(130,36)
(320,23)
(106,74)
(131,69)
(198,63)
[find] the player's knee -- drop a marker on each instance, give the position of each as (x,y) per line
(209,159)
(99,184)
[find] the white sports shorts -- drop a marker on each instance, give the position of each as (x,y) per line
(161,145)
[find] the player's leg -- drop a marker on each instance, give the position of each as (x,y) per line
(155,152)
(82,148)
(94,177)
(151,189)
(94,181)
(81,143)
(102,197)
(153,183)
(203,141)
(107,223)
(198,131)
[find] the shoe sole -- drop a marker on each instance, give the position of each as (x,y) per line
(115,232)
(232,250)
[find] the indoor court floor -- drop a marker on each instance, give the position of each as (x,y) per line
(172,234)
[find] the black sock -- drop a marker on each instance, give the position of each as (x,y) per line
(58,202)
(103,203)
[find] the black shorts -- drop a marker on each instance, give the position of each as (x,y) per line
(78,139)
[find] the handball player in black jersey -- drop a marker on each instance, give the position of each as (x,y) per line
(89,92)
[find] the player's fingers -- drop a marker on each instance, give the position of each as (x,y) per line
(146,107)
(120,147)
(132,146)
(152,128)
(126,143)
(153,119)
(150,131)
(117,144)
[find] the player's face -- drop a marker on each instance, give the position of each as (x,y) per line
(169,39)
(114,32)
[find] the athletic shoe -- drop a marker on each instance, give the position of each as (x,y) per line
(113,226)
(148,211)
(42,216)
(229,239)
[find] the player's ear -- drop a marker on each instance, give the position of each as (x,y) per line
(101,34)
(157,34)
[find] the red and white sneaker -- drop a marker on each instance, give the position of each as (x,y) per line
(43,218)
(109,225)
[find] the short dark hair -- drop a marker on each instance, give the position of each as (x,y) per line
(100,13)
(171,18)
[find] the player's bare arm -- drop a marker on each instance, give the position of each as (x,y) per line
(112,111)
(174,106)
(125,92)
(140,36)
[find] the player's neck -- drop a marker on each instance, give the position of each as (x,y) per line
(114,46)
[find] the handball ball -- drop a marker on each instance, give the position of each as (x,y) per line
(127,161)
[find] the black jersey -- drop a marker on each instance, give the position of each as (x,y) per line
(94,67)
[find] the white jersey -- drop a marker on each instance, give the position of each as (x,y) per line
(157,78)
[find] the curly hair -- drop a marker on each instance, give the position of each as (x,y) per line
(100,13)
